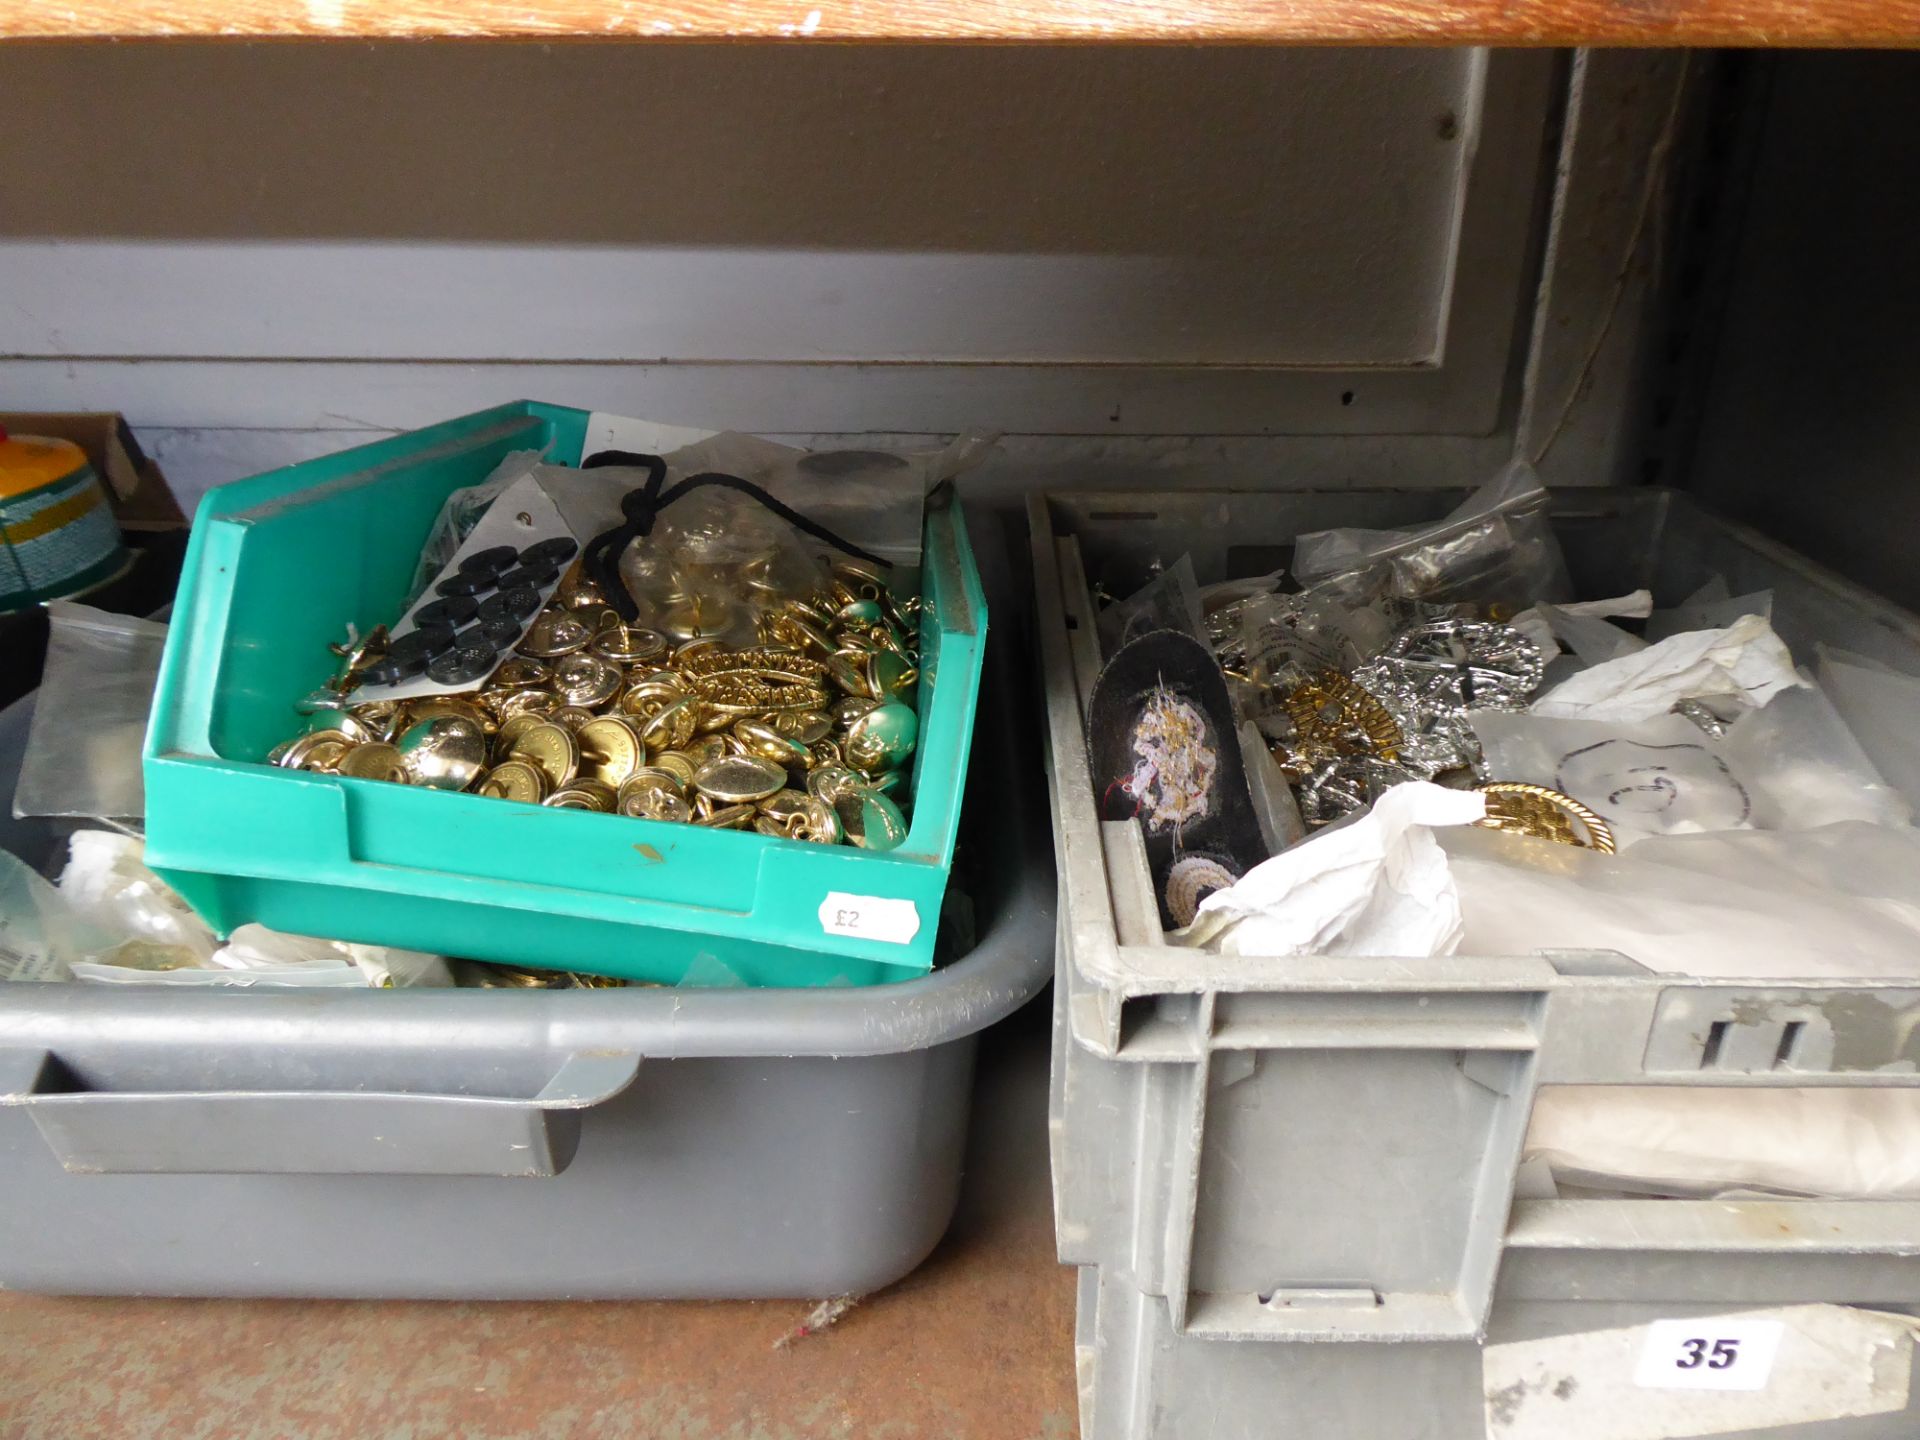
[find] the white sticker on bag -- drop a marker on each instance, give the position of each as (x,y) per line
(869,917)
(1714,1353)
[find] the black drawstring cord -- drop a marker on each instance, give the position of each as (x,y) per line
(642,506)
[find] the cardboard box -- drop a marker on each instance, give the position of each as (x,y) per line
(136,489)
(150,522)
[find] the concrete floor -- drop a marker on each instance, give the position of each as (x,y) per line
(975,1345)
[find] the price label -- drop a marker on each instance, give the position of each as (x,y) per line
(869,917)
(1714,1352)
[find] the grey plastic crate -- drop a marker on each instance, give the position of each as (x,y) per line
(1326,1149)
(640,1143)
(1139,1380)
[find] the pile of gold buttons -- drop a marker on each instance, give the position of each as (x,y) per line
(805,735)
(485,975)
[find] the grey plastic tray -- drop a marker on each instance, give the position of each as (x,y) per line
(1314,1149)
(648,1143)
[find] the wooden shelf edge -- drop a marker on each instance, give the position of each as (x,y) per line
(1875,23)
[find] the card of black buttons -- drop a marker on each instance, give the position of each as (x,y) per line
(515,604)
(462,665)
(391,671)
(490,562)
(549,554)
(538,576)
(500,634)
(420,645)
(454,610)
(466,582)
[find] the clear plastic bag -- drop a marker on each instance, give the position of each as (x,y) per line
(692,572)
(717,560)
(872,498)
(1712,607)
(1274,807)
(83,752)
(146,924)
(1169,601)
(112,921)
(255,951)
(1585,627)
(1843,1142)
(1497,550)
(1878,705)
(1805,767)
(386,967)
(1789,765)
(1286,640)
(40,936)
(1663,776)
(1841,901)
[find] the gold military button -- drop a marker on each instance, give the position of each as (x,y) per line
(551,747)
(671,727)
(629,644)
(583,795)
(610,749)
(586,680)
(520,674)
(520,780)
(375,760)
(761,739)
(679,764)
(727,817)
(739,779)
(320,750)
(443,753)
(554,633)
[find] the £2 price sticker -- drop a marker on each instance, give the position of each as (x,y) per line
(1713,1352)
(869,917)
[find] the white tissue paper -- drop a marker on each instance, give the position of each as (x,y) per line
(259,951)
(1374,885)
(1746,661)
(1839,1143)
(1582,624)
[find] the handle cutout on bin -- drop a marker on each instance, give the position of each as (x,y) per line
(323,1132)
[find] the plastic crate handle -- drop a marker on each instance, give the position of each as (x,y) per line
(311,1132)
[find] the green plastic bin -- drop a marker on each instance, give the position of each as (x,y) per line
(276,568)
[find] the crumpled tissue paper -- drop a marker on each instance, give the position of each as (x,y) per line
(1746,660)
(1375,885)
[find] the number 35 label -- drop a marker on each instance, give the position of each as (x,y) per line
(869,917)
(1714,1352)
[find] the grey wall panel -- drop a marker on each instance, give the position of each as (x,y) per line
(196,459)
(1207,240)
(1812,423)
(1608,252)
